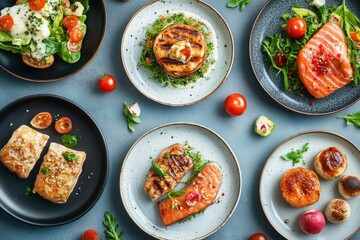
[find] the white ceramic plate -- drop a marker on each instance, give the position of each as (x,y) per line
(137,163)
(134,34)
(277,210)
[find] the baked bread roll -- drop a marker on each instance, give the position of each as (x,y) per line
(349,186)
(330,163)
(337,211)
(180,49)
(300,187)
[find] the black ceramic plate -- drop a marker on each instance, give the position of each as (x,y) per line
(34,209)
(96,24)
(268,22)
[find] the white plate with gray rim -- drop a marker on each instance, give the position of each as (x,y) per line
(131,49)
(137,163)
(277,210)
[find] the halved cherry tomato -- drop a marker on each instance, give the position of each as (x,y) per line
(107,83)
(36,4)
(70,21)
(41,120)
(258,236)
(6,22)
(235,104)
(74,47)
(75,35)
(296,27)
(90,235)
(63,125)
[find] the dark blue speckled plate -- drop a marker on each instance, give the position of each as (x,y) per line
(268,22)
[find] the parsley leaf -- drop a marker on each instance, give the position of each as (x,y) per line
(296,155)
(112,227)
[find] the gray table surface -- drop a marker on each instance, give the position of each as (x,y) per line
(250,149)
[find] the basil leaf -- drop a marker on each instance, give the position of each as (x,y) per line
(296,155)
(158,170)
(176,193)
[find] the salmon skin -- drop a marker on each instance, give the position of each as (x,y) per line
(199,194)
(175,164)
(323,63)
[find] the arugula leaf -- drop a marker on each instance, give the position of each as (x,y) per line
(352,118)
(296,155)
(112,227)
(238,3)
(198,161)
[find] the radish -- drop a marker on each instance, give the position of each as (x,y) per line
(312,222)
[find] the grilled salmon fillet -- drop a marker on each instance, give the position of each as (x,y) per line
(199,194)
(23,150)
(180,49)
(174,162)
(300,187)
(330,163)
(57,176)
(323,63)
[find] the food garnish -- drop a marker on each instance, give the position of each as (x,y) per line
(288,47)
(264,126)
(158,170)
(107,83)
(148,59)
(238,3)
(63,125)
(198,161)
(41,120)
(111,225)
(131,115)
(45,170)
(235,104)
(296,155)
(69,156)
(28,190)
(352,118)
(175,193)
(90,234)
(69,140)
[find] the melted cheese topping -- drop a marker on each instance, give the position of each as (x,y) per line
(181,51)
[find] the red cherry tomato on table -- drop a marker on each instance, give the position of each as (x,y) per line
(6,22)
(107,83)
(296,27)
(70,21)
(41,120)
(36,4)
(258,236)
(75,35)
(90,235)
(63,125)
(235,104)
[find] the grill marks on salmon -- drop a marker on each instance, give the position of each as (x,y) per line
(175,164)
(172,35)
(323,63)
(205,185)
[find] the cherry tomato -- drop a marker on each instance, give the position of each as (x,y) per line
(107,83)
(75,35)
(63,125)
(235,104)
(36,4)
(90,235)
(296,27)
(41,120)
(280,59)
(70,21)
(74,47)
(258,236)
(6,22)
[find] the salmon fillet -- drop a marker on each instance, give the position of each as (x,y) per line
(300,187)
(191,54)
(323,63)
(199,194)
(175,164)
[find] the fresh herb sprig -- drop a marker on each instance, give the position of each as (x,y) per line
(194,215)
(238,3)
(158,170)
(148,61)
(296,155)
(175,193)
(131,118)
(198,161)
(352,118)
(111,233)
